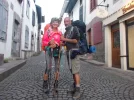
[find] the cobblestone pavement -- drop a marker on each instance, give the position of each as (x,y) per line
(96,83)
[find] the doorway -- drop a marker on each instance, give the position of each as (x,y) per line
(116,46)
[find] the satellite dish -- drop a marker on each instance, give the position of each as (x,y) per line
(101,13)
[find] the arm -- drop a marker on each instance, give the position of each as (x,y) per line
(69,40)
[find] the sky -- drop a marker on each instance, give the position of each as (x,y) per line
(50,8)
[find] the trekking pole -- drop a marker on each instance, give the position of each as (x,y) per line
(57,73)
(48,71)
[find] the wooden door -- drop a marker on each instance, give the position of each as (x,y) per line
(116,48)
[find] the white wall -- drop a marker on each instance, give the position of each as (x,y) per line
(110,19)
(28,21)
(118,5)
(62,26)
(6,46)
(111,9)
(76,11)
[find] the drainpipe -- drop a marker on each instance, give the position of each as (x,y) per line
(23,11)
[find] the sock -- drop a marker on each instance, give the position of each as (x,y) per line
(78,85)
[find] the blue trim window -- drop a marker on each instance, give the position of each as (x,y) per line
(28,8)
(3,19)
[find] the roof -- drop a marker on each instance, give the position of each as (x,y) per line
(68,6)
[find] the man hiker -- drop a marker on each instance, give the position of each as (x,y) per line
(71,38)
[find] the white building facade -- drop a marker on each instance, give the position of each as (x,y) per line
(80,10)
(19,28)
(29,29)
(112,35)
(11,11)
(119,36)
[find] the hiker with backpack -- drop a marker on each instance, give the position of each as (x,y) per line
(51,44)
(70,40)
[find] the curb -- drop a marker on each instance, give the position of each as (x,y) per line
(9,71)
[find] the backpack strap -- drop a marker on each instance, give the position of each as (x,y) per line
(71,31)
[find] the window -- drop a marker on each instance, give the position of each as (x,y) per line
(81,13)
(20,1)
(3,19)
(33,18)
(81,2)
(32,41)
(116,35)
(26,37)
(97,33)
(93,5)
(114,1)
(28,8)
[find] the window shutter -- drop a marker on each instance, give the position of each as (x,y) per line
(94,4)
(33,18)
(91,5)
(20,1)
(26,37)
(97,32)
(81,13)
(3,19)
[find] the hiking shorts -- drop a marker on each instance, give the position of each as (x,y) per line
(75,64)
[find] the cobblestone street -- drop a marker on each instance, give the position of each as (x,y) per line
(96,83)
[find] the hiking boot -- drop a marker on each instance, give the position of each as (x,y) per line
(72,89)
(76,94)
(56,85)
(45,85)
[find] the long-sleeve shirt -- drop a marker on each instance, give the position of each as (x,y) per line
(51,35)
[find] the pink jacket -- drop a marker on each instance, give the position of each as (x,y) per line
(49,35)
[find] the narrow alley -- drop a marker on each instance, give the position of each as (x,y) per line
(97,83)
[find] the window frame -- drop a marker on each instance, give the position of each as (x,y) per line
(115,1)
(81,13)
(26,37)
(28,9)
(33,18)
(4,20)
(93,5)
(20,1)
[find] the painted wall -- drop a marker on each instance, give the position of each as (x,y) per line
(6,46)
(28,21)
(76,11)
(16,7)
(114,14)
(113,7)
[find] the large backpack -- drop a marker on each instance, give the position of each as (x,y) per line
(83,47)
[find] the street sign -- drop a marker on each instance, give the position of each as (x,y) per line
(101,13)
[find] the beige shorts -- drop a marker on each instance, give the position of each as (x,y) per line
(75,65)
